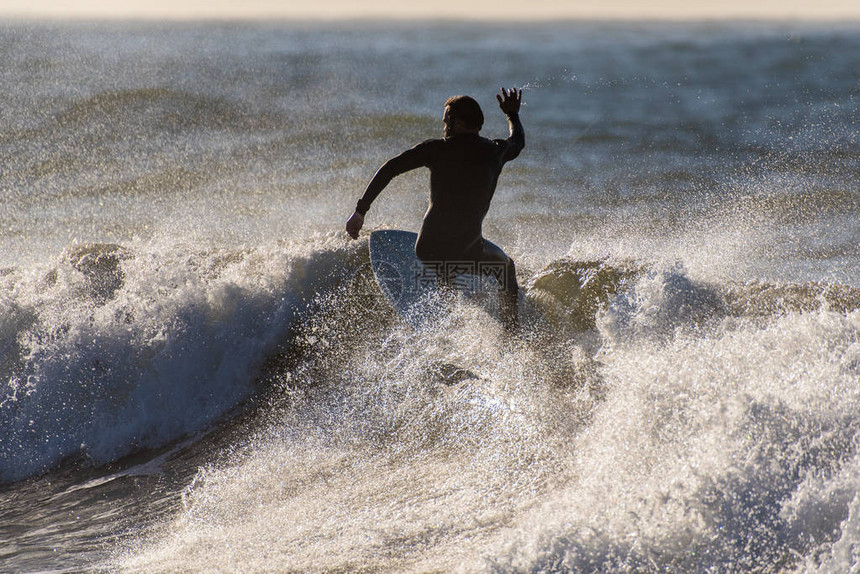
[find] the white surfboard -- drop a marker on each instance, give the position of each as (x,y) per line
(411,286)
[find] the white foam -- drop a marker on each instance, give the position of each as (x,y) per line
(730,449)
(176,347)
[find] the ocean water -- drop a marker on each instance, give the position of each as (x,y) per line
(199,374)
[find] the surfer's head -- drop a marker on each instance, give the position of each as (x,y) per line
(462,115)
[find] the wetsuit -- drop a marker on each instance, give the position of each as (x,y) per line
(464,170)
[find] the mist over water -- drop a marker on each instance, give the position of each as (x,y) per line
(199,373)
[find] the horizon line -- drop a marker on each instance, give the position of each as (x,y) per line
(438,11)
(465,19)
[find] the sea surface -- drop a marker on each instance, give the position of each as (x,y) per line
(199,374)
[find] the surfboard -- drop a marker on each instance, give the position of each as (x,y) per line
(412,287)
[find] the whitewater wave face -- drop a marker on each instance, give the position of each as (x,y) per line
(114,350)
(694,438)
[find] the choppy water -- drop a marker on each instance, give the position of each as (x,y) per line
(199,374)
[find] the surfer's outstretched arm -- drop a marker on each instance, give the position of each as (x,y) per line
(408,160)
(509,103)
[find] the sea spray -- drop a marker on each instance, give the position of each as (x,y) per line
(726,445)
(104,361)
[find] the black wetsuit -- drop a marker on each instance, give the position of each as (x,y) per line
(464,170)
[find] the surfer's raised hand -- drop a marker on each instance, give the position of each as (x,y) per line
(509,100)
(354,224)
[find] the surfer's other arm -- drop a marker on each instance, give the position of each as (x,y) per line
(408,160)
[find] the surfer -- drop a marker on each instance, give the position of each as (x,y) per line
(464,170)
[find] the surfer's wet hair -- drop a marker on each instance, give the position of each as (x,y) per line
(467,110)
